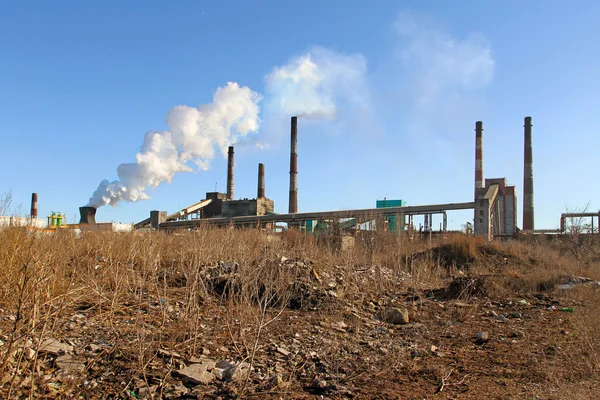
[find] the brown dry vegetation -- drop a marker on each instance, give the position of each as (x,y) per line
(303,317)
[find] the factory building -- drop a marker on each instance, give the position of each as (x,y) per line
(217,204)
(495,209)
(494,203)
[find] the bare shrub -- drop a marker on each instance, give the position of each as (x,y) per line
(157,290)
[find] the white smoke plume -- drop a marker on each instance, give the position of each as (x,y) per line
(319,84)
(315,84)
(194,136)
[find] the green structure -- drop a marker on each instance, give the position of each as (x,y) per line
(309,226)
(393,224)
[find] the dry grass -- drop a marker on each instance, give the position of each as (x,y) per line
(237,277)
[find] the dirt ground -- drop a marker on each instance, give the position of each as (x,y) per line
(471,336)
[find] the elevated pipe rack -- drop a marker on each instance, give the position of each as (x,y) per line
(300,217)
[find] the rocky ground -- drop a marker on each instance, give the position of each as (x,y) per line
(331,337)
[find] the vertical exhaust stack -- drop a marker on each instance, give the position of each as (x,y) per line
(479,184)
(230,173)
(528,220)
(261,181)
(88,215)
(34,206)
(293,204)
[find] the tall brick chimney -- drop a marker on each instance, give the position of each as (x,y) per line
(528,214)
(293,203)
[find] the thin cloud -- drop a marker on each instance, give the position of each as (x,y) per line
(438,63)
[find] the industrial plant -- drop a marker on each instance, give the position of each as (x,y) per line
(494,204)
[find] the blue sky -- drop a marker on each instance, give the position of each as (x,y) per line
(82,83)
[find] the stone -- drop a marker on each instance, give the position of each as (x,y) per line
(197,373)
(236,372)
(168,354)
(218,373)
(283,351)
(54,347)
(29,353)
(516,315)
(69,365)
(396,315)
(221,367)
(224,364)
(482,336)
(210,365)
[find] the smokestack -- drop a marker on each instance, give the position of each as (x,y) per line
(261,181)
(88,215)
(478,155)
(528,220)
(293,206)
(34,206)
(230,174)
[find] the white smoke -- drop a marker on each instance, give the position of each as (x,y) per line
(319,84)
(315,84)
(194,135)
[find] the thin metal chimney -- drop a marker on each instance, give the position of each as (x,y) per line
(293,203)
(88,215)
(230,174)
(34,206)
(479,183)
(528,219)
(261,181)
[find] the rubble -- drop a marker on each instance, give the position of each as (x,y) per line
(236,372)
(327,342)
(29,353)
(54,347)
(69,364)
(197,373)
(395,315)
